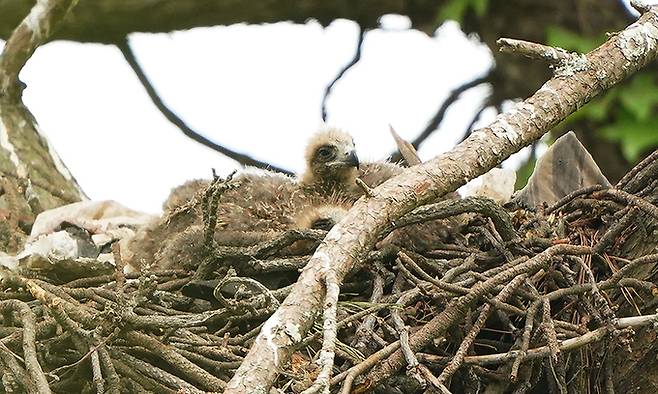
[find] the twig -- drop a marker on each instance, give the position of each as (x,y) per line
(329,329)
(556,361)
(355,59)
(118,263)
(188,369)
(640,6)
(457,360)
(448,208)
(35,29)
(363,186)
(97,373)
(626,179)
(544,351)
(525,340)
(628,198)
(244,159)
(457,308)
(533,50)
(29,343)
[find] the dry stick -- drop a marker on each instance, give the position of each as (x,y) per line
(448,208)
(109,371)
(347,320)
(599,300)
(154,372)
(188,369)
(455,289)
(364,331)
(535,51)
(118,263)
(628,216)
(556,363)
(457,309)
(14,369)
(412,362)
(35,29)
(573,195)
(525,339)
(148,383)
(349,375)
(329,331)
(244,159)
(545,351)
(628,198)
(97,373)
(623,182)
(28,321)
(347,242)
(458,358)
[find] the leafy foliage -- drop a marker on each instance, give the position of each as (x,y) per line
(627,114)
(560,37)
(456,9)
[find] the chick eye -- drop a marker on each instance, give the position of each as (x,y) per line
(325,153)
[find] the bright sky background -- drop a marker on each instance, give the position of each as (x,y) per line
(254,88)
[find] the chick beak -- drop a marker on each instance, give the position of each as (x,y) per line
(352,159)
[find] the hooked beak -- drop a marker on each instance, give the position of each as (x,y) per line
(352,159)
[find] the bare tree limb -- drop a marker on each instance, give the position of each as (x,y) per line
(25,155)
(545,351)
(348,241)
(244,159)
(354,61)
(28,35)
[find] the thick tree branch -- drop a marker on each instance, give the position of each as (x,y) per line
(348,241)
(28,35)
(26,157)
(355,60)
(124,47)
(121,17)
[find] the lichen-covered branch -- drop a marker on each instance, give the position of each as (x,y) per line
(27,160)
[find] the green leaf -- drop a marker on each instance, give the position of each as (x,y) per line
(560,37)
(640,97)
(455,9)
(635,136)
(480,7)
(597,110)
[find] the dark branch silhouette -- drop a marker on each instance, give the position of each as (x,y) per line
(124,47)
(441,112)
(355,60)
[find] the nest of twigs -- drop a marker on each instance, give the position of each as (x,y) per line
(533,301)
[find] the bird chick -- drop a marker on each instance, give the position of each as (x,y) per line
(321,217)
(331,164)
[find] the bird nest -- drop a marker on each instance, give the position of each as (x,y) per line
(528,300)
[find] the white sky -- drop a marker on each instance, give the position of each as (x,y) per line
(256,89)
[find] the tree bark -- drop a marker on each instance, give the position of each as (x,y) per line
(33,176)
(121,17)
